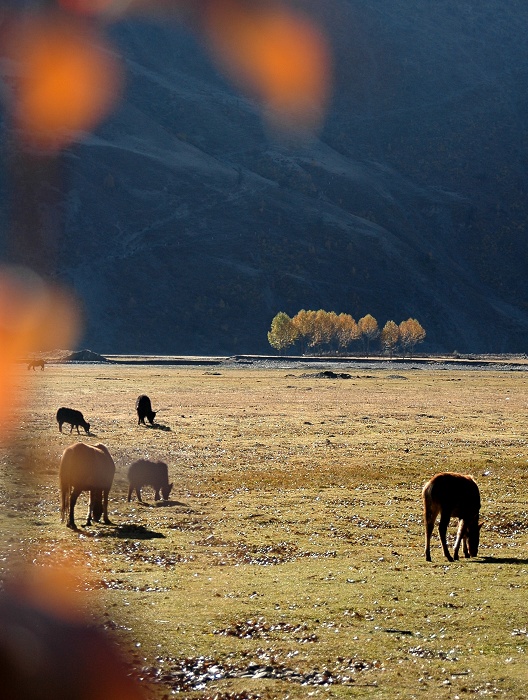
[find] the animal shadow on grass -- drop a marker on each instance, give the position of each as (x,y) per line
(168,504)
(159,426)
(501,560)
(164,504)
(138,532)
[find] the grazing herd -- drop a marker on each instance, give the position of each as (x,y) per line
(91,468)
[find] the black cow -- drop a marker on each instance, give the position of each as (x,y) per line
(144,410)
(74,418)
(146,473)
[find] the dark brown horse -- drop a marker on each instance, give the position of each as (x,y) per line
(36,363)
(86,468)
(458,496)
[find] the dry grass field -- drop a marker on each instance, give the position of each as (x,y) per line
(289,561)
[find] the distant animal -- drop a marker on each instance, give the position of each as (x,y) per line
(86,468)
(145,473)
(144,410)
(36,363)
(74,418)
(458,496)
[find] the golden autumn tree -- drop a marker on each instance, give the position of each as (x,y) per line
(368,330)
(389,337)
(305,323)
(325,328)
(411,333)
(347,331)
(282,333)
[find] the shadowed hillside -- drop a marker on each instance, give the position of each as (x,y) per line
(186,229)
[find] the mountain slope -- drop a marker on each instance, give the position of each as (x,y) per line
(186,229)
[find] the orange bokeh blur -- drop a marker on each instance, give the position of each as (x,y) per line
(95,7)
(68,79)
(274,53)
(33,317)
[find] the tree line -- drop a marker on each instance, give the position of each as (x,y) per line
(327,332)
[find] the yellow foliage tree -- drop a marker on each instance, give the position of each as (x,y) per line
(368,330)
(325,328)
(305,324)
(411,333)
(346,331)
(282,333)
(390,335)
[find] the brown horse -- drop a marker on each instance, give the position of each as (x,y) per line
(86,468)
(458,496)
(36,363)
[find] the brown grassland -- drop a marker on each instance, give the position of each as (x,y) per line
(289,561)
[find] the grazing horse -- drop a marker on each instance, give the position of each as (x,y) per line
(36,363)
(458,496)
(86,468)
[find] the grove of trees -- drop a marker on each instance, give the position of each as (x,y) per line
(320,332)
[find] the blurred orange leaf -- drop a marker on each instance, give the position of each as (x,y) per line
(33,317)
(280,56)
(68,80)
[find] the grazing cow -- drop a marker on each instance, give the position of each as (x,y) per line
(145,473)
(458,496)
(74,418)
(36,363)
(144,410)
(86,468)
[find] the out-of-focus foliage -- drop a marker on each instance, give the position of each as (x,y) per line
(274,53)
(47,655)
(33,317)
(69,76)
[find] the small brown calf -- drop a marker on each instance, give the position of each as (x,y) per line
(145,473)
(457,496)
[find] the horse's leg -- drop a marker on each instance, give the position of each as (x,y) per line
(430,514)
(130,489)
(442,531)
(89,516)
(106,519)
(157,495)
(138,494)
(461,538)
(73,500)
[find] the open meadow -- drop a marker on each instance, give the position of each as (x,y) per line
(289,560)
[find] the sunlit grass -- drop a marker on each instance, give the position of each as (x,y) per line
(293,544)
